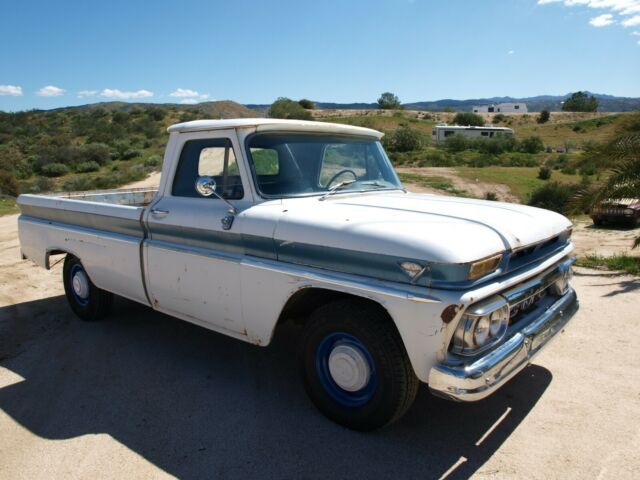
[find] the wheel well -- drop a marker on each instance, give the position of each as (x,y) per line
(306,300)
(54,252)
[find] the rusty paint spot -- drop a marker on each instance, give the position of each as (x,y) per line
(449,313)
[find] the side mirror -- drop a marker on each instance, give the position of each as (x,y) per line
(206,186)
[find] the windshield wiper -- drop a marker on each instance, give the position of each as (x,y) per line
(337,187)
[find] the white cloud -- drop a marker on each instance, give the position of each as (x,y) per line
(189,96)
(627,10)
(637,34)
(87,93)
(511,52)
(184,92)
(115,93)
(12,90)
(631,22)
(50,91)
(602,20)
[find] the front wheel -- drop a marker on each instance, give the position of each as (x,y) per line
(85,299)
(354,365)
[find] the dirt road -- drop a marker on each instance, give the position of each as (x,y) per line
(147,396)
(475,189)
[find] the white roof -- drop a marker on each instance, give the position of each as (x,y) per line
(471,127)
(273,124)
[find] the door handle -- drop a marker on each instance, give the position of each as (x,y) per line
(156,212)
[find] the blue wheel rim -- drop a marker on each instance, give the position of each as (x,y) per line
(83,302)
(344,397)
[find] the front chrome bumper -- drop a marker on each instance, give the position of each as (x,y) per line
(473,381)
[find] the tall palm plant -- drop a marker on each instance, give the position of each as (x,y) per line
(620,157)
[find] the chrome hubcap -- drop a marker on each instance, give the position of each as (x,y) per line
(80,284)
(349,368)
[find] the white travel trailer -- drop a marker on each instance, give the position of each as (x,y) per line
(441,132)
(501,108)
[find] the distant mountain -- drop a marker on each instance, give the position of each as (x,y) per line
(218,109)
(607,103)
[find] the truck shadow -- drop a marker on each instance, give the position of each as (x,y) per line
(198,404)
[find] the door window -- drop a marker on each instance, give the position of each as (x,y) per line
(209,157)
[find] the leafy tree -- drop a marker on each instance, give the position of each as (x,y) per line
(307,104)
(288,109)
(389,101)
(580,102)
(468,118)
(544,117)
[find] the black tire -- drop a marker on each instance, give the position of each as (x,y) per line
(392,385)
(96,303)
(598,222)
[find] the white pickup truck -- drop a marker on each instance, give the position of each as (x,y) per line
(261,221)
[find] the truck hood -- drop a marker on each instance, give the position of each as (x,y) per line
(430,228)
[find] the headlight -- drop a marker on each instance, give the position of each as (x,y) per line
(481,326)
(484,267)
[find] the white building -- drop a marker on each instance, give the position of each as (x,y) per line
(501,108)
(441,132)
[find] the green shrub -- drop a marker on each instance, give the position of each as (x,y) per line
(456,143)
(544,117)
(468,118)
(54,169)
(95,152)
(131,153)
(86,167)
(499,117)
(153,161)
(38,185)
(288,109)
(490,196)
(554,196)
(307,104)
(8,184)
(78,183)
(544,173)
(531,145)
(406,139)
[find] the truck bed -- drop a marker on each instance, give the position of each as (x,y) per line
(104,228)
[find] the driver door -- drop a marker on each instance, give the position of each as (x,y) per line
(192,258)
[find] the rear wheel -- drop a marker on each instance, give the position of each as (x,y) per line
(85,299)
(354,365)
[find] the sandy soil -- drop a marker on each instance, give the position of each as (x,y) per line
(152,180)
(476,189)
(147,396)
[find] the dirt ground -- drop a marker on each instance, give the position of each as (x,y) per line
(475,189)
(147,396)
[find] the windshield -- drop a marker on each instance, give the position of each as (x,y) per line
(300,164)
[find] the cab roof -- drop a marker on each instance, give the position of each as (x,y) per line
(273,124)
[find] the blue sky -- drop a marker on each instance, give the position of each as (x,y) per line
(329,50)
